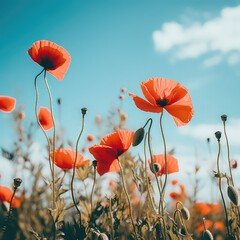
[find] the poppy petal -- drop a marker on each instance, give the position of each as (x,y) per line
(144,105)
(105,167)
(45,118)
(7,104)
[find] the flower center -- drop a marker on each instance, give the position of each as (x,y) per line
(162,102)
(47,63)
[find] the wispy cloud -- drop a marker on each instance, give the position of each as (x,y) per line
(219,36)
(203,131)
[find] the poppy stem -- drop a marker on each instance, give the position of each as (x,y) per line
(228,151)
(74,166)
(94,182)
(111,217)
(152,166)
(128,199)
(220,186)
(53,142)
(165,158)
(146,173)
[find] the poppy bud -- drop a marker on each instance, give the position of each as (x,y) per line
(208,140)
(218,135)
(185,213)
(21,115)
(17,182)
(207,235)
(224,117)
(138,137)
(234,163)
(233,195)
(94,163)
(84,111)
(59,101)
(156,167)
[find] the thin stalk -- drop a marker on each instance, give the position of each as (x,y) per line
(220,186)
(128,198)
(152,166)
(146,173)
(111,217)
(165,156)
(74,165)
(36,114)
(94,181)
(228,152)
(54,140)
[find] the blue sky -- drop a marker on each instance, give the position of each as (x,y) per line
(115,44)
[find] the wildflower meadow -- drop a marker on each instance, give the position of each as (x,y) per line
(68,200)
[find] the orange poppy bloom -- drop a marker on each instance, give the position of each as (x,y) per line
(6,195)
(172,164)
(64,159)
(109,149)
(200,227)
(45,118)
(219,226)
(7,104)
(174,182)
(53,58)
(90,137)
(174,195)
(162,93)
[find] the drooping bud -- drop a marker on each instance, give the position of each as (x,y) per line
(224,117)
(17,182)
(84,111)
(233,195)
(218,135)
(185,213)
(207,235)
(138,137)
(155,168)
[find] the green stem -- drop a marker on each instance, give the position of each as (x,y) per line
(146,173)
(228,153)
(74,165)
(128,198)
(54,140)
(220,185)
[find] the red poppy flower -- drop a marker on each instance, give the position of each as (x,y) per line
(6,195)
(45,118)
(7,104)
(109,149)
(162,93)
(172,164)
(207,208)
(53,58)
(64,159)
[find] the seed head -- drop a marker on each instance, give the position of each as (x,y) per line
(84,111)
(94,163)
(224,117)
(218,135)
(233,195)
(17,182)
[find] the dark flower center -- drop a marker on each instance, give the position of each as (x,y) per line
(47,63)
(162,102)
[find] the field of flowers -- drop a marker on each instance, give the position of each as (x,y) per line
(71,197)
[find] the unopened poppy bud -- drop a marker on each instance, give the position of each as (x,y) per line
(94,163)
(234,163)
(185,213)
(208,140)
(17,182)
(156,167)
(102,236)
(84,111)
(207,235)
(138,137)
(233,195)
(218,135)
(59,101)
(224,117)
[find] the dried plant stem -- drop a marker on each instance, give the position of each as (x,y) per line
(94,182)
(146,172)
(228,152)
(220,186)
(74,166)
(128,198)
(53,142)
(111,217)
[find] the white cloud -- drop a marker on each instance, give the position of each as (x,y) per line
(220,35)
(203,131)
